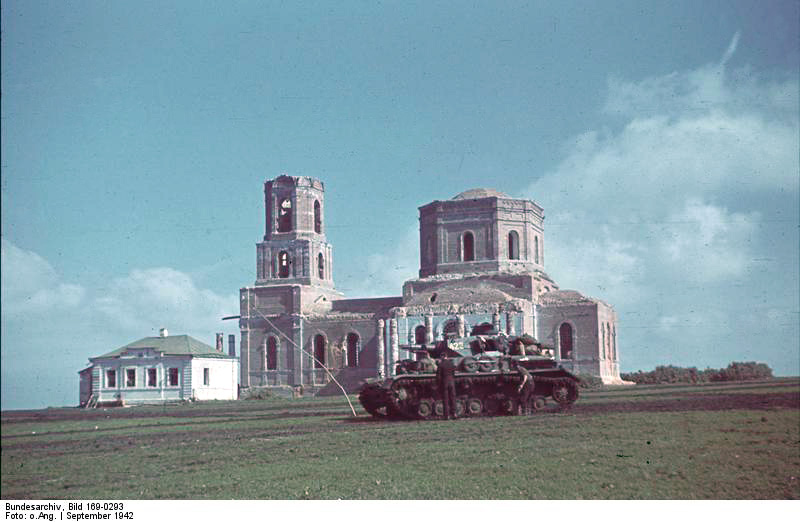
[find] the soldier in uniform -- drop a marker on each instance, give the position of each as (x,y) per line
(525,389)
(427,364)
(446,374)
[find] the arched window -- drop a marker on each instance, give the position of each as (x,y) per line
(483,329)
(468,246)
(353,345)
(536,249)
(420,334)
(272,353)
(319,351)
(513,245)
(614,343)
(565,340)
(317,218)
(285,215)
(450,328)
(604,347)
(321,265)
(283,264)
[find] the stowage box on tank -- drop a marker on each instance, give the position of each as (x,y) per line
(486,379)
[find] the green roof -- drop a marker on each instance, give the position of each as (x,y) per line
(170,345)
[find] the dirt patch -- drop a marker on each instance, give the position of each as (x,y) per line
(694,402)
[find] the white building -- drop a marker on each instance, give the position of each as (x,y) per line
(160,369)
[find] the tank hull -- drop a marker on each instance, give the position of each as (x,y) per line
(479,393)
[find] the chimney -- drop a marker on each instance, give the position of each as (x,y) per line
(232,345)
(163,332)
(219,342)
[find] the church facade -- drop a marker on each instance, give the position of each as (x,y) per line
(481,265)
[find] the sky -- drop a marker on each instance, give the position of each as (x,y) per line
(661,139)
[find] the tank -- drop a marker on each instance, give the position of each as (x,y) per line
(486,379)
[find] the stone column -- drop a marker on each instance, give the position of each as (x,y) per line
(299,357)
(395,343)
(244,361)
(496,321)
(429,330)
(381,348)
(510,329)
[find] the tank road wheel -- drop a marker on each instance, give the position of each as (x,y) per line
(565,393)
(474,407)
(537,403)
(469,365)
(424,409)
(438,408)
(461,408)
(508,406)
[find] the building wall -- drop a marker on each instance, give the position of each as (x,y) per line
(140,392)
(495,287)
(223,383)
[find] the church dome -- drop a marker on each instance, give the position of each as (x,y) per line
(479,193)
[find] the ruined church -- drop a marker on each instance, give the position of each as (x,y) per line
(481,265)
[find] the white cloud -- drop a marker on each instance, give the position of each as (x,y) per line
(89,322)
(148,299)
(709,243)
(666,212)
(31,285)
(383,273)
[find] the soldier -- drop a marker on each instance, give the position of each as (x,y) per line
(525,389)
(447,384)
(427,364)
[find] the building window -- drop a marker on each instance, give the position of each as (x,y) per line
(319,351)
(130,379)
(536,250)
(483,329)
(317,218)
(151,377)
(173,376)
(450,329)
(285,215)
(604,348)
(321,265)
(513,245)
(283,264)
(565,339)
(614,343)
(468,246)
(353,345)
(272,353)
(206,376)
(420,334)
(111,378)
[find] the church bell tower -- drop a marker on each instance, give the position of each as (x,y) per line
(295,250)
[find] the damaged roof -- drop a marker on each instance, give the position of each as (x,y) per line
(459,292)
(566,297)
(479,193)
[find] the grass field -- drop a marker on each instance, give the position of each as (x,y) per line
(721,441)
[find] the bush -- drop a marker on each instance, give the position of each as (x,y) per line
(256,394)
(587,381)
(736,371)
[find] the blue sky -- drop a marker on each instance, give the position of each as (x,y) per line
(661,138)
